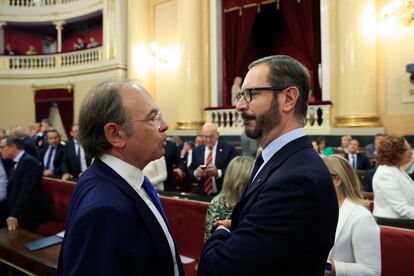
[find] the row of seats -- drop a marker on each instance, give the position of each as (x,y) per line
(187,218)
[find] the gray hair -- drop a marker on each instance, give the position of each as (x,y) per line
(102,105)
(286,71)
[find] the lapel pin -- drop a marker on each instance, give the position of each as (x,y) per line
(220,150)
(258,180)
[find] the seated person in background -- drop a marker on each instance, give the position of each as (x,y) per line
(186,153)
(79,44)
(74,160)
(174,166)
(345,139)
(198,141)
(393,188)
(235,89)
(8,51)
(357,249)
(51,157)
(25,206)
(323,150)
(210,161)
(358,160)
(92,43)
(371,149)
(221,206)
(31,50)
(156,171)
(367,180)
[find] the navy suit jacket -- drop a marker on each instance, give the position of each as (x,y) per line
(24,193)
(111,231)
(70,160)
(284,225)
(172,160)
(57,162)
(362,161)
(224,153)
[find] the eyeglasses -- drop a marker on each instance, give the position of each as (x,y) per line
(156,121)
(248,93)
(2,147)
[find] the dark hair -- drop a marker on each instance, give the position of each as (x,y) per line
(13,140)
(52,130)
(103,104)
(46,121)
(390,150)
(286,71)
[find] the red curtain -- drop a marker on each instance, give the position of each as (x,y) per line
(252,30)
(63,98)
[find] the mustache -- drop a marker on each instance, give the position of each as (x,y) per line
(246,116)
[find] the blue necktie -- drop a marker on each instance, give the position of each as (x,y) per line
(152,193)
(49,158)
(354,162)
(257,165)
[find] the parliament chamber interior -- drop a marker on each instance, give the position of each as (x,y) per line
(192,57)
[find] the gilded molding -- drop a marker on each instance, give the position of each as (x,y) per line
(357,121)
(68,86)
(187,125)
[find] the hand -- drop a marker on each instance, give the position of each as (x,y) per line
(200,172)
(333,270)
(66,176)
(179,172)
(47,173)
(211,171)
(12,223)
(225,222)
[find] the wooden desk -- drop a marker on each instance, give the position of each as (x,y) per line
(13,253)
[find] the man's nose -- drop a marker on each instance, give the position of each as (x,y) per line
(241,105)
(164,126)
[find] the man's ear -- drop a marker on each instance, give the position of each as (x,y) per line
(290,98)
(115,135)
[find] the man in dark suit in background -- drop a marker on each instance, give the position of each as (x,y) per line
(74,160)
(174,166)
(52,155)
(210,161)
(285,221)
(25,206)
(115,223)
(358,160)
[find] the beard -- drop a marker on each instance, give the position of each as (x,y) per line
(264,123)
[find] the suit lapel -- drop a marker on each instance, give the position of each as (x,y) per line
(157,234)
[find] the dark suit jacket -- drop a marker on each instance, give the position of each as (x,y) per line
(24,193)
(57,162)
(284,225)
(362,161)
(172,160)
(111,231)
(70,160)
(224,153)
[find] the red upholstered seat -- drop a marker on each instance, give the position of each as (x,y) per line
(58,195)
(187,220)
(397,251)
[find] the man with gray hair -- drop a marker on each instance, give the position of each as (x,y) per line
(115,223)
(285,221)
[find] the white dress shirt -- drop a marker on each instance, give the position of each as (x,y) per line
(357,248)
(79,148)
(213,162)
(135,178)
(393,193)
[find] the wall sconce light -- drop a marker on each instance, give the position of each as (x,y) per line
(402,10)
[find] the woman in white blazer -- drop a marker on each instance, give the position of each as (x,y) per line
(357,249)
(393,188)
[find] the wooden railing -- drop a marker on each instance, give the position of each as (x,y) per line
(35,3)
(51,61)
(230,122)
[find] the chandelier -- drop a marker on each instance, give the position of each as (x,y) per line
(402,10)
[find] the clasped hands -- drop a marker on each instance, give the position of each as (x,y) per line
(210,170)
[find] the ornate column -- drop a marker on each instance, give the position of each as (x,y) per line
(59,28)
(356,95)
(138,39)
(2,24)
(189,29)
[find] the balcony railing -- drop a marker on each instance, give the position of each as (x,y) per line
(35,3)
(230,122)
(76,58)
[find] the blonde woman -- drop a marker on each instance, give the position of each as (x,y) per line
(357,249)
(221,206)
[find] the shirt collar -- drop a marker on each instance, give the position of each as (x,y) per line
(130,173)
(280,142)
(19,156)
(214,147)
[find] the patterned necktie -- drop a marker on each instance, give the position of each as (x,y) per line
(152,193)
(208,183)
(257,165)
